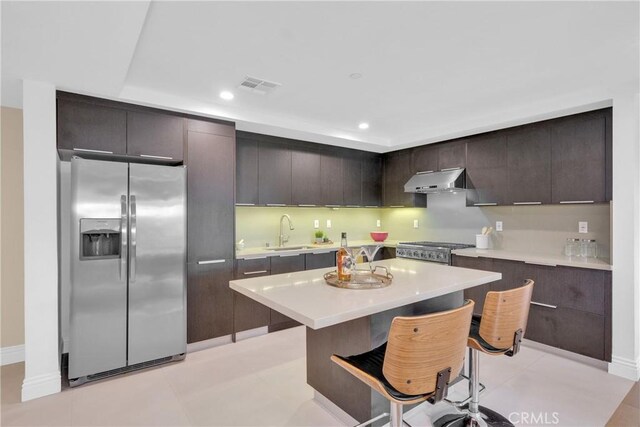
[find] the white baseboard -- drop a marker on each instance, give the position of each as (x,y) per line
(41,385)
(203,345)
(243,335)
(10,355)
(625,368)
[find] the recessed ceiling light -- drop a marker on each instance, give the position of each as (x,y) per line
(355,76)
(363,125)
(226,95)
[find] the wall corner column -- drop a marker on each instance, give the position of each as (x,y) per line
(42,365)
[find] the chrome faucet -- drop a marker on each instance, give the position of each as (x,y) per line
(284,238)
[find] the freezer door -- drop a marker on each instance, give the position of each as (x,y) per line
(98,306)
(157,278)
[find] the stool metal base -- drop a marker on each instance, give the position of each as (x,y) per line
(485,417)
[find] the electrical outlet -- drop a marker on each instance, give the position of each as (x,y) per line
(498,225)
(328,223)
(583,227)
(415,223)
(377,223)
(316,223)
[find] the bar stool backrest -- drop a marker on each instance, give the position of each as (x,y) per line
(421,346)
(505,313)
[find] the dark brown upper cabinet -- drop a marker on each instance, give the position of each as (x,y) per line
(487,169)
(397,171)
(331,179)
(352,179)
(579,158)
(91,128)
(246,171)
(305,177)
(452,154)
(210,186)
(424,159)
(371,179)
(155,136)
(274,174)
(529,165)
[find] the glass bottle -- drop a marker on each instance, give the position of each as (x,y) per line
(344,260)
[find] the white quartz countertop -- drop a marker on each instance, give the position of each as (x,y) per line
(535,258)
(249,253)
(304,296)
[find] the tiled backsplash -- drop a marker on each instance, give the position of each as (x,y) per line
(540,229)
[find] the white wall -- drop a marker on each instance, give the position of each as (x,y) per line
(42,368)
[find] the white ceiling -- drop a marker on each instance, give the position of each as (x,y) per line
(430,70)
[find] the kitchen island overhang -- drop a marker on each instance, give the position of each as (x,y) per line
(352,321)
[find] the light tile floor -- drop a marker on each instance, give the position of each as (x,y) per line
(261,382)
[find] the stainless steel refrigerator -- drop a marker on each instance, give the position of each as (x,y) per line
(128,279)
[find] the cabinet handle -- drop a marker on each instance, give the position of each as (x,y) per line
(254,257)
(87,150)
(396,206)
(449,169)
(304,205)
(485,204)
(423,172)
(212,261)
(322,252)
(245,204)
(576,202)
(353,206)
(333,206)
(249,273)
(288,255)
(548,264)
(149,156)
(368,206)
(544,305)
(276,204)
(527,203)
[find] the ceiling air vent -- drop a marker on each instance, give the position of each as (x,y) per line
(259,86)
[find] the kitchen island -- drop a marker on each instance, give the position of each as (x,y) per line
(348,321)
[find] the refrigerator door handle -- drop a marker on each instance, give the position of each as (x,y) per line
(132,250)
(123,238)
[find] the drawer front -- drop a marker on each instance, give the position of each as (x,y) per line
(568,329)
(246,268)
(320,260)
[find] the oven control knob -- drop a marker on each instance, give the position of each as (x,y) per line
(416,254)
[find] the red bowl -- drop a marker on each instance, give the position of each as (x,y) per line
(379,236)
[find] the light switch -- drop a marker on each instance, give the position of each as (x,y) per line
(328,223)
(415,223)
(316,223)
(377,223)
(498,225)
(583,227)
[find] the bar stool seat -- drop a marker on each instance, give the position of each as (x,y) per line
(416,363)
(476,341)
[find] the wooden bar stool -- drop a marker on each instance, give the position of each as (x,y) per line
(416,362)
(497,332)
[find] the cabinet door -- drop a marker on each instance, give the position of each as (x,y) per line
(477,293)
(248,313)
(424,159)
(86,126)
(452,154)
(305,177)
(274,174)
(371,180)
(397,171)
(578,158)
(331,179)
(287,264)
(486,170)
(320,260)
(246,172)
(529,165)
(209,301)
(352,182)
(154,135)
(210,184)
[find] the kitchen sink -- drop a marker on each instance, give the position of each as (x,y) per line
(288,248)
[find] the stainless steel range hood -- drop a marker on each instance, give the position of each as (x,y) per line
(436,182)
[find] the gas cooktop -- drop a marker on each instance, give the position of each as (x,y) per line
(429,251)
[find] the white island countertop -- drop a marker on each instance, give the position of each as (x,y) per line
(304,296)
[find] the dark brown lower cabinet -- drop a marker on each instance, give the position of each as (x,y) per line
(570,308)
(209,301)
(248,313)
(320,260)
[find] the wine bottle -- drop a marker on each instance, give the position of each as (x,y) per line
(344,260)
